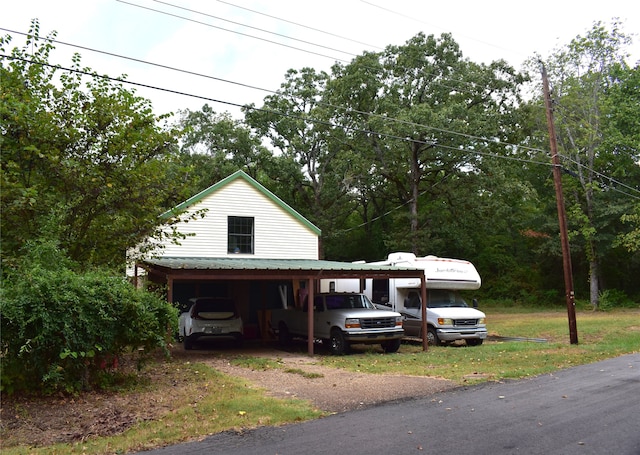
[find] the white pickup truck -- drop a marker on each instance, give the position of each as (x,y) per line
(341,319)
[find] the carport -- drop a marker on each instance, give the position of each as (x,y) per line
(169,270)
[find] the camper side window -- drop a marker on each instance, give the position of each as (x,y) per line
(412,300)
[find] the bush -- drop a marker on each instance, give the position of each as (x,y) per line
(614,298)
(61,328)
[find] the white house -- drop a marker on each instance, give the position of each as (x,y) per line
(238,217)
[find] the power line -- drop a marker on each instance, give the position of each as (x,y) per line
(413,18)
(245,25)
(269,111)
(335,59)
(242,34)
(344,109)
(602,176)
(146,62)
(296,23)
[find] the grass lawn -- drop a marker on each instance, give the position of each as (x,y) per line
(600,334)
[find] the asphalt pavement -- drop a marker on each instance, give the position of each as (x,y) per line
(586,410)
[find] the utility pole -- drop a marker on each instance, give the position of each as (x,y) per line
(562,215)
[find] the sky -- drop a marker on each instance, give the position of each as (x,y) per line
(235,52)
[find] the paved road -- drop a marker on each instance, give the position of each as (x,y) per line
(587,410)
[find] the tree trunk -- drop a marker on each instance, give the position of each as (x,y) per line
(594,280)
(415,186)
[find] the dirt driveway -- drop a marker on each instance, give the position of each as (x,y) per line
(329,389)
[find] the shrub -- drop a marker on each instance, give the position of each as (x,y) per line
(614,298)
(61,328)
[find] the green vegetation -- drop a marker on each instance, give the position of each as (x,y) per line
(383,153)
(260,363)
(412,148)
(63,331)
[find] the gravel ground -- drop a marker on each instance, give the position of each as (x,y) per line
(334,390)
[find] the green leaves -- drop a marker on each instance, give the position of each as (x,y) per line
(81,149)
(59,327)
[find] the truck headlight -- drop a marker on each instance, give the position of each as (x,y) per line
(352,323)
(398,321)
(482,321)
(445,321)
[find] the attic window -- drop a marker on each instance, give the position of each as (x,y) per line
(240,234)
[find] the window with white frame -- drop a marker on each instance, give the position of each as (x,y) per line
(240,234)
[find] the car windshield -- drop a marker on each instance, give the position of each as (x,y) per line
(348,301)
(437,298)
(440,298)
(214,306)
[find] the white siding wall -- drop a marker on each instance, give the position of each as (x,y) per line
(278,235)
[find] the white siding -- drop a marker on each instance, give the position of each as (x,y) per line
(277,234)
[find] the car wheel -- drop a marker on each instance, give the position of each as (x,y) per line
(432,337)
(284,337)
(391,346)
(337,343)
(474,341)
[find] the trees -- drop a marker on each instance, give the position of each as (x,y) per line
(595,125)
(216,145)
(420,116)
(85,172)
(296,121)
(81,154)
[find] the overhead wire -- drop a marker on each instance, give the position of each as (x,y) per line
(417,19)
(270,111)
(605,177)
(243,34)
(335,59)
(346,110)
(324,32)
(307,119)
(303,50)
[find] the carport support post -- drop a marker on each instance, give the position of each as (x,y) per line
(310,328)
(170,289)
(423,291)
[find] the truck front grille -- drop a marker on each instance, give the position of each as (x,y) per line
(464,322)
(377,323)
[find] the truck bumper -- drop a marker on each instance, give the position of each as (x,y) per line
(375,337)
(454,334)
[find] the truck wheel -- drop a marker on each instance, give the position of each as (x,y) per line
(337,344)
(432,337)
(391,346)
(284,337)
(239,340)
(474,341)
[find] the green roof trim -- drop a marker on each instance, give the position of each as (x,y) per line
(246,177)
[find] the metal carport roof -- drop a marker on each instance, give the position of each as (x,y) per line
(254,268)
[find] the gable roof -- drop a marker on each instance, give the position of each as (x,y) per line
(246,177)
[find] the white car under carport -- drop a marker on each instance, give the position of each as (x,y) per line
(210,317)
